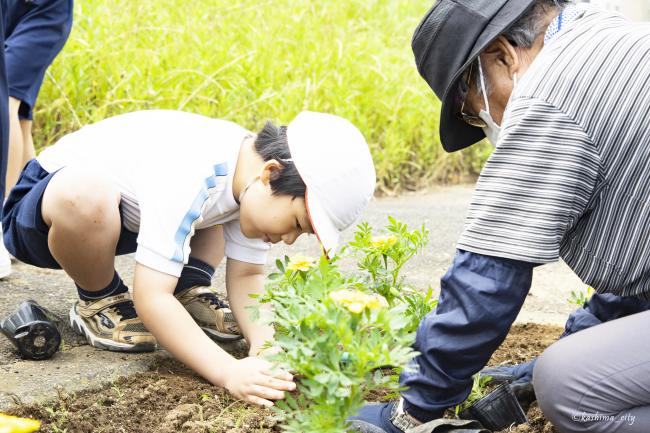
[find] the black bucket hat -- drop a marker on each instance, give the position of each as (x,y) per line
(450,37)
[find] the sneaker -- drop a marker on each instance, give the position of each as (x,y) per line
(112,324)
(5,259)
(211,313)
(391,418)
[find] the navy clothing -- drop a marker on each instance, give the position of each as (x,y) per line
(601,308)
(480,298)
(25,232)
(374,418)
(4,116)
(35,32)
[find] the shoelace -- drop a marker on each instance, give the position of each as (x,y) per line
(126,310)
(213,300)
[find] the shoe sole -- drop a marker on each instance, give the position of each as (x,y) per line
(220,337)
(80,327)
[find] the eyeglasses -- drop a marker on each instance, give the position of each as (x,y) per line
(464,86)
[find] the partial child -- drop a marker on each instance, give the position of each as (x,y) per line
(181,191)
(34,32)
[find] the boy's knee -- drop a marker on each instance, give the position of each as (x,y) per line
(78,198)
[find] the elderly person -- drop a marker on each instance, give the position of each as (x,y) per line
(562,91)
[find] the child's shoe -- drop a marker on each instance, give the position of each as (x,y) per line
(210,313)
(111,323)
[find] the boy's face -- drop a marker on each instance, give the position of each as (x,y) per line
(272,218)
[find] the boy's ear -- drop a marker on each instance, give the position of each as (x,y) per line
(270,171)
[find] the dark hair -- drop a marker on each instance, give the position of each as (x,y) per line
(523,32)
(271,143)
(527,28)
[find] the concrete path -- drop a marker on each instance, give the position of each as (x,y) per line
(79,366)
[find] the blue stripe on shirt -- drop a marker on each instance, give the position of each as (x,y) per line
(194,213)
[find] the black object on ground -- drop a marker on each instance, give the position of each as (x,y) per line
(525,394)
(33,330)
(519,377)
(497,410)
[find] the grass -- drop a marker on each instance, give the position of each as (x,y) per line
(253,60)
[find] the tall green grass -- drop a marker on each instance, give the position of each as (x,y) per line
(249,61)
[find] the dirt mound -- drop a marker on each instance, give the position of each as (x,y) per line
(171,399)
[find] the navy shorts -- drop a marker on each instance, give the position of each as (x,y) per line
(25,232)
(35,32)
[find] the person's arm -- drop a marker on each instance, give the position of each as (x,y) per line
(250,379)
(479,300)
(242,280)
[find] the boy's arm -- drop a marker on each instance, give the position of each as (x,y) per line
(242,280)
(250,379)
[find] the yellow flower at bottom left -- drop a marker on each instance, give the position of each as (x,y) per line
(13,424)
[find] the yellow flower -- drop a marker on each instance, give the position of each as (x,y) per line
(356,307)
(301,263)
(384,242)
(376,302)
(356,301)
(12,424)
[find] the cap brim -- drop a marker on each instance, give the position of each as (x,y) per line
(324,229)
(455,134)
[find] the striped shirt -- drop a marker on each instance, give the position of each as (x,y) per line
(570,175)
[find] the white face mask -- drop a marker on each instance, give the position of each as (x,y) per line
(248,185)
(492,130)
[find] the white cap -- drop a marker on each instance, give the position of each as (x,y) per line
(334,161)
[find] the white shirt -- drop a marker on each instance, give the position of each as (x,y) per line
(174,171)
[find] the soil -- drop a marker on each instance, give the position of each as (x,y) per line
(170,398)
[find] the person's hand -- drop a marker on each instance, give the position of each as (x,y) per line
(254,380)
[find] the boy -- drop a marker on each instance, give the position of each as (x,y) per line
(35,32)
(158,183)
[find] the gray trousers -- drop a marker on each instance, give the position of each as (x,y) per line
(598,380)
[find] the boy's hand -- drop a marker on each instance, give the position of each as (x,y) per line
(255,381)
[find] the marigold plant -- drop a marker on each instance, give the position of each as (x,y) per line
(381,259)
(336,337)
(339,332)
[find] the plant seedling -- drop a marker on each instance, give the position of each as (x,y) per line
(580,297)
(479,390)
